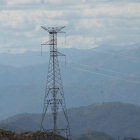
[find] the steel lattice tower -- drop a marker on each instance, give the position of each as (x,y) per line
(54,95)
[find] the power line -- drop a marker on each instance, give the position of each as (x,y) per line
(105,75)
(85,65)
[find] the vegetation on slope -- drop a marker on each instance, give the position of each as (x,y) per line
(8,135)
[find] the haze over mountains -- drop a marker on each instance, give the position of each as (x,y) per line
(90,76)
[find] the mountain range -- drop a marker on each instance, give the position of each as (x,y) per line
(89,76)
(114,118)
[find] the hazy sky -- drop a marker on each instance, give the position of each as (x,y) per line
(90,23)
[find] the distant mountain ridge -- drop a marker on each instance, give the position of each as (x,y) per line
(90,76)
(115,119)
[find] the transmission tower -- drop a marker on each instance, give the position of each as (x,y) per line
(54,95)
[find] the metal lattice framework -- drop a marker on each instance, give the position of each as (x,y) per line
(54,95)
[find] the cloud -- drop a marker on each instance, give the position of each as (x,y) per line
(91,22)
